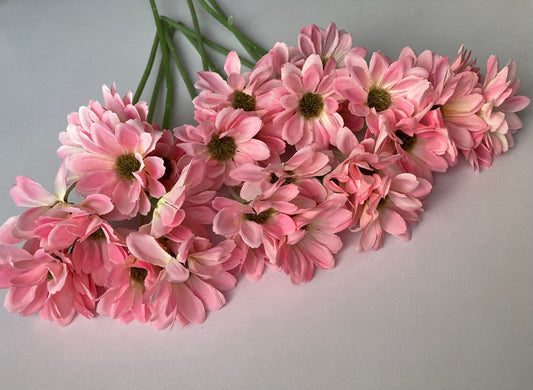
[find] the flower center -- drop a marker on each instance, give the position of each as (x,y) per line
(221,149)
(311,105)
(260,218)
(407,141)
(49,276)
(382,202)
(97,235)
(379,99)
(243,100)
(126,164)
(138,275)
(367,172)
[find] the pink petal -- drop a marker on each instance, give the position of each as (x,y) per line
(392,222)
(189,305)
(146,248)
(29,193)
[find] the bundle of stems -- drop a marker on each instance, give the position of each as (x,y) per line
(166,29)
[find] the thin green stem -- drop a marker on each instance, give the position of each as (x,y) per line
(186,79)
(169,100)
(251,47)
(67,193)
(189,34)
(155,92)
(217,8)
(236,196)
(259,49)
(147,70)
(199,37)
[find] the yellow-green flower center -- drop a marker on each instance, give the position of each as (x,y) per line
(407,141)
(379,99)
(243,100)
(221,149)
(126,164)
(138,275)
(311,105)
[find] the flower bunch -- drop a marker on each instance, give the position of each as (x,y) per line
(313,140)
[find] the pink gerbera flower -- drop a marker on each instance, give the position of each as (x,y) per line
(389,208)
(315,240)
(191,277)
(116,163)
(45,283)
(301,169)
(423,147)
(124,299)
(310,106)
(358,174)
(115,110)
(501,104)
(224,144)
(251,91)
(329,43)
(382,85)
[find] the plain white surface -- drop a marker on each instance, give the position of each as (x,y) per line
(451,309)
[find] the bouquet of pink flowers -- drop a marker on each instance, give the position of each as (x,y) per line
(313,140)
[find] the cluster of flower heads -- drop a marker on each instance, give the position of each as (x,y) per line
(314,140)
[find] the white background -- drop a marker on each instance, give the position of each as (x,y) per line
(451,309)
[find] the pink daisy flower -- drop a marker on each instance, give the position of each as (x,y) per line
(499,112)
(389,208)
(98,252)
(423,147)
(382,85)
(115,110)
(309,114)
(329,43)
(301,169)
(46,283)
(116,163)
(358,174)
(124,299)
(315,240)
(251,91)
(224,144)
(460,111)
(191,278)
(253,220)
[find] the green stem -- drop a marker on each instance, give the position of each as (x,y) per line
(169,100)
(236,196)
(251,43)
(181,68)
(189,34)
(147,70)
(199,37)
(155,93)
(67,193)
(251,47)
